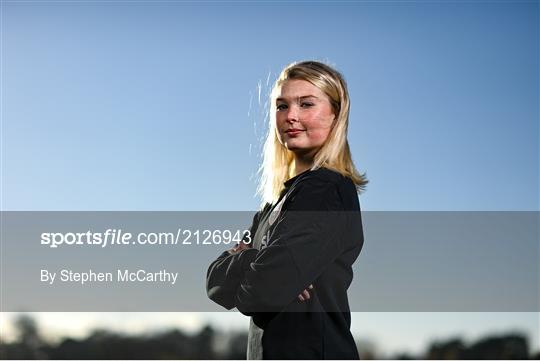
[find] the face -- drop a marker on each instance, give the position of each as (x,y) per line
(304,116)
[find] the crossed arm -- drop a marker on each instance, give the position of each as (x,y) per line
(307,239)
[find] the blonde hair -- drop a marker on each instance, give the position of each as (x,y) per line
(334,154)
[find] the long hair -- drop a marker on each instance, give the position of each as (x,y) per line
(333,154)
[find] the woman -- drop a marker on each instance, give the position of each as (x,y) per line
(292,272)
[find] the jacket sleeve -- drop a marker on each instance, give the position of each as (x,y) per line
(306,240)
(225,273)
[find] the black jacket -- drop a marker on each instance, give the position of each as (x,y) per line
(312,235)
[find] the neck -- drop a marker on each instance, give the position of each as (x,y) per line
(300,165)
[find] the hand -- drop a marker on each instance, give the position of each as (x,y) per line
(304,295)
(239,247)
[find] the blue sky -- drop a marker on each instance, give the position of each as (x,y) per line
(132,105)
(155,105)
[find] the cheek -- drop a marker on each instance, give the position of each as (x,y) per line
(279,126)
(318,135)
(319,127)
(281,120)
(320,123)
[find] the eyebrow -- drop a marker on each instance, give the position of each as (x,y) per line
(302,97)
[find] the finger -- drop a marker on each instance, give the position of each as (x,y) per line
(301,298)
(243,246)
(306,295)
(310,287)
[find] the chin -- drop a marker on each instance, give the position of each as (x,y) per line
(300,150)
(293,148)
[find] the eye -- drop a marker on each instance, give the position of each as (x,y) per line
(281,106)
(307,105)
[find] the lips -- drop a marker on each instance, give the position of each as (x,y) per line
(293,130)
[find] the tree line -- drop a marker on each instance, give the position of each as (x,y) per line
(209,344)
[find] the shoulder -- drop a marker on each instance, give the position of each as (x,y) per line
(325,175)
(324,185)
(328,178)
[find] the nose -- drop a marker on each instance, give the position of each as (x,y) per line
(292,114)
